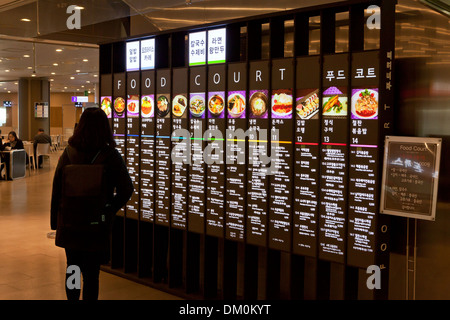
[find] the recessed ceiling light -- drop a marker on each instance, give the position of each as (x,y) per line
(33,75)
(9,91)
(55,64)
(72,78)
(82,86)
(79,8)
(85,60)
(87,81)
(52,79)
(53,73)
(65,87)
(4,88)
(25,20)
(78,89)
(26,55)
(95,76)
(6,70)
(77,70)
(59,50)
(15,83)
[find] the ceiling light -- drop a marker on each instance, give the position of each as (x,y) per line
(15,83)
(4,88)
(79,8)
(77,70)
(29,68)
(65,87)
(25,20)
(52,79)
(87,81)
(78,89)
(82,86)
(33,75)
(9,91)
(59,50)
(72,78)
(55,64)
(95,76)
(85,60)
(53,73)
(7,70)
(26,55)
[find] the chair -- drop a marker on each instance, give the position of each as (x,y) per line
(29,150)
(42,149)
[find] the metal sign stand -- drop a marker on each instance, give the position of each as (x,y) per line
(411,258)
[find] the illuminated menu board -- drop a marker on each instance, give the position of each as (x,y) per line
(180,143)
(217,45)
(306,165)
(215,151)
(119,112)
(148,54)
(282,150)
(258,142)
(132,139)
(147,168)
(235,151)
(197,48)
(334,158)
(162,146)
(197,124)
(364,153)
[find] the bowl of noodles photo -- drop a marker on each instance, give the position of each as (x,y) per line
(365,104)
(216,105)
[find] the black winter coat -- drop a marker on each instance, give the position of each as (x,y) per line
(119,192)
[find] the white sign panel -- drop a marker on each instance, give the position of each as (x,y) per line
(148,54)
(133,56)
(216,45)
(197,48)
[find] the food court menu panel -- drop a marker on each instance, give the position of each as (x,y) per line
(214,151)
(147,168)
(132,141)
(106,98)
(180,143)
(306,167)
(258,160)
(364,153)
(197,124)
(235,151)
(280,213)
(119,112)
(162,147)
(334,158)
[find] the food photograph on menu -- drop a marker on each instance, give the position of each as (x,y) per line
(259,104)
(105,105)
(133,106)
(216,104)
(236,104)
(282,104)
(147,104)
(197,105)
(307,105)
(119,107)
(334,102)
(162,106)
(179,105)
(365,103)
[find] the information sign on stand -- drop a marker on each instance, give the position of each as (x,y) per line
(410,177)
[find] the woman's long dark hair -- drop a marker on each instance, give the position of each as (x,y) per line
(14,134)
(92,132)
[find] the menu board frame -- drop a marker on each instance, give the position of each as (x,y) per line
(431,216)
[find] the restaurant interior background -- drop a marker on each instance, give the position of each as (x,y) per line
(35,44)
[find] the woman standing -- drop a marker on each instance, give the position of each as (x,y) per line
(88,245)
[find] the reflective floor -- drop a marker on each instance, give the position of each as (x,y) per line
(31,266)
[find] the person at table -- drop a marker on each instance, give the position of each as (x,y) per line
(40,137)
(14,143)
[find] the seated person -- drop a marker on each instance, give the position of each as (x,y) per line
(14,143)
(40,137)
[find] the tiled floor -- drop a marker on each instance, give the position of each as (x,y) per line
(31,266)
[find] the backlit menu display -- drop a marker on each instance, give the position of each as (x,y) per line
(162,156)
(147,168)
(119,112)
(235,151)
(180,144)
(215,151)
(148,54)
(197,124)
(132,138)
(132,55)
(258,160)
(307,137)
(197,48)
(280,213)
(334,158)
(364,153)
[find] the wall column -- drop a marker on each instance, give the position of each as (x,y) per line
(30,91)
